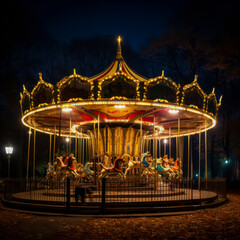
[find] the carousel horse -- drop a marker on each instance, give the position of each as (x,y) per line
(144,164)
(86,172)
(67,167)
(175,166)
(115,170)
(51,173)
(163,167)
(107,160)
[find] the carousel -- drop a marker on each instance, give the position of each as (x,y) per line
(118,124)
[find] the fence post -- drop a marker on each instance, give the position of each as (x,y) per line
(30,185)
(103,195)
(68,194)
(192,189)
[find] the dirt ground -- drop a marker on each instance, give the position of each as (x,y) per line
(217,223)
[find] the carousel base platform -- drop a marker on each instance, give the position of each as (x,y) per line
(116,204)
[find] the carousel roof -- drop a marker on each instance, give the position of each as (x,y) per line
(118,66)
(117,96)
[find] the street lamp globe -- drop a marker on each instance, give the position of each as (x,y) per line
(9,150)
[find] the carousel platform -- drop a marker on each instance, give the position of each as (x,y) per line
(131,201)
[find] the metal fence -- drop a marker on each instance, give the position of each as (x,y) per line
(113,192)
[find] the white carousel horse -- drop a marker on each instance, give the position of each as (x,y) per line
(164,168)
(142,164)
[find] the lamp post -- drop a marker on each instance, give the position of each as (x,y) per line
(9,151)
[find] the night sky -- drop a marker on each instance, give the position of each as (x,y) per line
(136,21)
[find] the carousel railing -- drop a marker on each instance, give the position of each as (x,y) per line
(117,190)
(133,192)
(138,191)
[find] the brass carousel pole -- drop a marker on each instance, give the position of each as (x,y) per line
(150,145)
(83,151)
(188,156)
(154,151)
(155,145)
(176,147)
(98,135)
(34,153)
(147,143)
(170,141)
(28,155)
(199,163)
(94,154)
(86,149)
(181,165)
(81,146)
(50,147)
(98,141)
(141,138)
(159,147)
(89,149)
(54,143)
(75,153)
(93,141)
(59,134)
(206,155)
(191,158)
(70,133)
(105,139)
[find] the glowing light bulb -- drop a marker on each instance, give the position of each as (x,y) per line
(67,139)
(173,111)
(119,106)
(165,141)
(67,109)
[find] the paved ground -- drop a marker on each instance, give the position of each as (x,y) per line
(217,223)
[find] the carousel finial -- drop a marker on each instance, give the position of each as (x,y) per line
(119,39)
(220,101)
(74,71)
(195,78)
(119,50)
(40,76)
(213,91)
(24,88)
(162,73)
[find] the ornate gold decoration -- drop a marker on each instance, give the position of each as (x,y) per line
(40,83)
(22,96)
(67,81)
(110,79)
(164,81)
(191,87)
(141,86)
